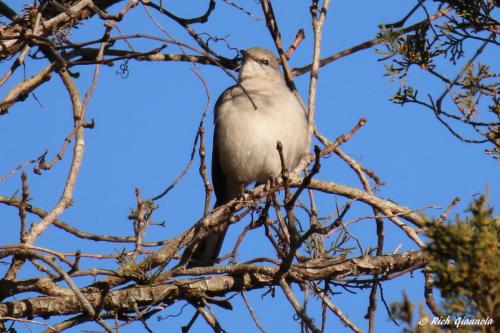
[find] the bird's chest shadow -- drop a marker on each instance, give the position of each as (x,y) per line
(255,100)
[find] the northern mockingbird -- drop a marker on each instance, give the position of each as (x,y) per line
(250,117)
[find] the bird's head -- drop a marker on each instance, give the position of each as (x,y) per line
(259,63)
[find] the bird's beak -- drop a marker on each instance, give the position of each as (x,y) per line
(243,56)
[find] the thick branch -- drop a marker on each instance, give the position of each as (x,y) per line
(237,278)
(370,199)
(79,10)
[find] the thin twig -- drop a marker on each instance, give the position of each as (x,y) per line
(22,206)
(335,310)
(429,296)
(252,313)
(299,37)
(318,21)
(297,307)
(78,150)
(272,26)
(140,222)
(444,215)
(24,88)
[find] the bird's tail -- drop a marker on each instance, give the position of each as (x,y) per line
(208,249)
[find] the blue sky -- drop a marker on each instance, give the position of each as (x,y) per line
(146,123)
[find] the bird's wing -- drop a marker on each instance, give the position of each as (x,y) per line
(218,179)
(208,249)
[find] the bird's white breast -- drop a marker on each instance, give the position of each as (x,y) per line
(247,137)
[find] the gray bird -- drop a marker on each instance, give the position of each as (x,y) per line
(250,117)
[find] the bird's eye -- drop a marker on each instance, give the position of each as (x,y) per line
(265,61)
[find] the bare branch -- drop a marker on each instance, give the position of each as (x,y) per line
(254,317)
(240,276)
(368,44)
